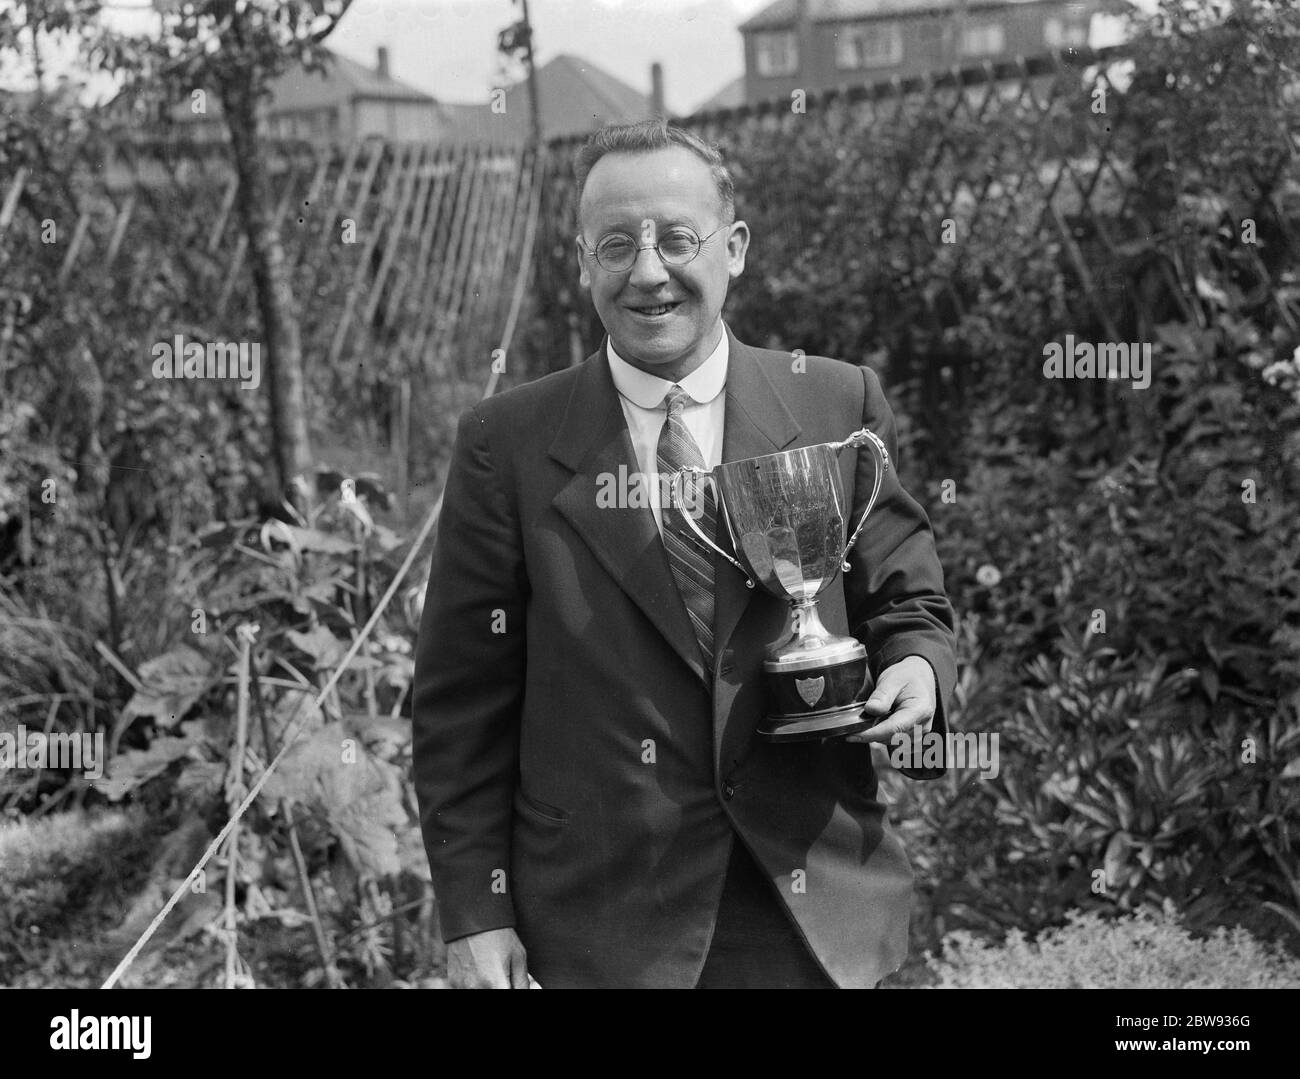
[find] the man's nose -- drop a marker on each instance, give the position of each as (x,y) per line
(648,271)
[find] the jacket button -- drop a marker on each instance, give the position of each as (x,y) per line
(728,791)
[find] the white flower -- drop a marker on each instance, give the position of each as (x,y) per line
(988,575)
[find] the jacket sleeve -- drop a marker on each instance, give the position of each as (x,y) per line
(468,689)
(894,590)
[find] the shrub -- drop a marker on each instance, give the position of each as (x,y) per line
(1144,950)
(1151,757)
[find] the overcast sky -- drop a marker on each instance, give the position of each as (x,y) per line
(448,47)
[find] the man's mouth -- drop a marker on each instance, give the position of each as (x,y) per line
(656,310)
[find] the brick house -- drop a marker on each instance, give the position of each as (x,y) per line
(820,44)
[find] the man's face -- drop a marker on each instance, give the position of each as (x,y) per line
(662,318)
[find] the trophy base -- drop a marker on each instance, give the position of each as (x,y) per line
(814,726)
(815,693)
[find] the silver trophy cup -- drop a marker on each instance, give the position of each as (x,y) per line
(785,513)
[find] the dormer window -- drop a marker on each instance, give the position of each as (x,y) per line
(776,54)
(983,39)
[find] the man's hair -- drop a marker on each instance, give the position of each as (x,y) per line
(646,137)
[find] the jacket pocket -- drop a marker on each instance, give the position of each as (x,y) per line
(541,811)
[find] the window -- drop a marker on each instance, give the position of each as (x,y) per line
(983,39)
(776,54)
(858,47)
(1058,34)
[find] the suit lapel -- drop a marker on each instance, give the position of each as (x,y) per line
(594,442)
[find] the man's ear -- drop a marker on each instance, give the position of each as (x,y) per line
(737,245)
(584,278)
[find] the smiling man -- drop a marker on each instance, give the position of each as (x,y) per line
(597,808)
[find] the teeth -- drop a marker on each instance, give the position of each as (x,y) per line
(660,310)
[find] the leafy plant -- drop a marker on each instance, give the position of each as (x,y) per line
(1149,949)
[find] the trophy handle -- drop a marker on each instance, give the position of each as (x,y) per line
(674,494)
(857,440)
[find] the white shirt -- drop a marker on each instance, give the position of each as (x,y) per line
(642,396)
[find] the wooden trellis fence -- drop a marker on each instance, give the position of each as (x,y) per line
(424,233)
(402,257)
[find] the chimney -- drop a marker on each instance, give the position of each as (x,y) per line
(657,90)
(381,61)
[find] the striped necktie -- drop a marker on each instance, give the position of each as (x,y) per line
(691,561)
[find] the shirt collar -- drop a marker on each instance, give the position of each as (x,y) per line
(648,391)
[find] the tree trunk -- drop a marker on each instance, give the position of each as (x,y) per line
(282,371)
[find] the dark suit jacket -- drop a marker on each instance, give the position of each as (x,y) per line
(580,775)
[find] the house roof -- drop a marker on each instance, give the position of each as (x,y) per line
(17,99)
(729,97)
(574,94)
(344,80)
(781,14)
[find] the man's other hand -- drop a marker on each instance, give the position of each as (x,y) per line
(491,960)
(906,694)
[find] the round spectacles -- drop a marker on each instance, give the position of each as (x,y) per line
(617,251)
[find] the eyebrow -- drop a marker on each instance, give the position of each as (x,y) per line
(660,226)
